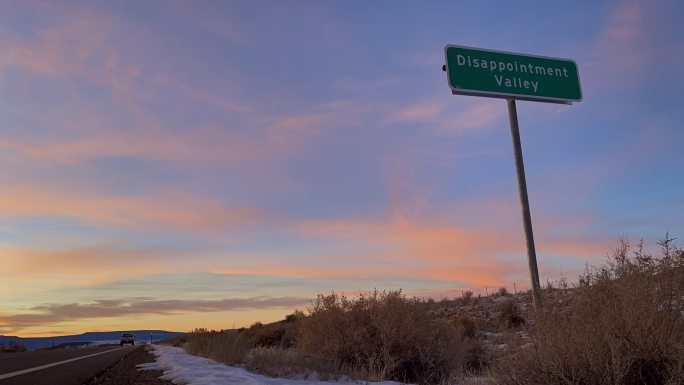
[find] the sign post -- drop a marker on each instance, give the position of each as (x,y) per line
(524,202)
(512,76)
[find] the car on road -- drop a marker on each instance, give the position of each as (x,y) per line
(127,338)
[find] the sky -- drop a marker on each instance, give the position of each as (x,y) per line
(173,165)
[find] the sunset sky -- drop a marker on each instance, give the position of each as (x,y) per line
(172,164)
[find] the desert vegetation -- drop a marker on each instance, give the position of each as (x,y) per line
(12,347)
(384,336)
(623,323)
(620,323)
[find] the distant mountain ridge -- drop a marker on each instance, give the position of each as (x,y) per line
(33,343)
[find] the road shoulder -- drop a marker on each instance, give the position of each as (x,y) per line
(125,371)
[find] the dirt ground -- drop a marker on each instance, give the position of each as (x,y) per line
(125,372)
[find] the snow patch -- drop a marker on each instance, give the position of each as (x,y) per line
(182,368)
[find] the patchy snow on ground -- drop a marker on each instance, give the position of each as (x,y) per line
(180,367)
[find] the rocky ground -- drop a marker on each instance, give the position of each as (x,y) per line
(125,372)
(496,319)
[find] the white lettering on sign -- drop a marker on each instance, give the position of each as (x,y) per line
(516,82)
(500,67)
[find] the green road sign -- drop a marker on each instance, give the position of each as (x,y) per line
(480,72)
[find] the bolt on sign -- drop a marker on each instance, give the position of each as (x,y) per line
(480,72)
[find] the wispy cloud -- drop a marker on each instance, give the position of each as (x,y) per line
(444,116)
(164,210)
(631,45)
(197,144)
(423,112)
(95,262)
(67,48)
(46,315)
(424,248)
(471,253)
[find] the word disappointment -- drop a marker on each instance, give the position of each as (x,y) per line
(515,68)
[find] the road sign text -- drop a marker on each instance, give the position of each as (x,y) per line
(473,71)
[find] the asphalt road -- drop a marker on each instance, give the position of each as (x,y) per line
(61,366)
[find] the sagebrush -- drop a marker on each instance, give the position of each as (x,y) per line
(383,335)
(622,325)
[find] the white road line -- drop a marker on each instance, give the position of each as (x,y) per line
(20,372)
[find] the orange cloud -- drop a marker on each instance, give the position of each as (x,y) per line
(86,263)
(49,315)
(400,248)
(433,240)
(168,209)
(430,249)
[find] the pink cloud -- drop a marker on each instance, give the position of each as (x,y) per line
(103,49)
(428,111)
(450,117)
(198,94)
(425,244)
(200,143)
(302,124)
(68,48)
(627,47)
(165,210)
(86,264)
(427,249)
(480,115)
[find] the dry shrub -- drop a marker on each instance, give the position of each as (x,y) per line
(465,326)
(622,325)
(265,335)
(294,317)
(227,346)
(382,336)
(281,334)
(13,347)
(287,363)
(276,362)
(509,315)
(478,379)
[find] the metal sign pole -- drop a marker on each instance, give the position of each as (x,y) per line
(524,202)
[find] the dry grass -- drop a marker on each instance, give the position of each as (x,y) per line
(289,363)
(277,362)
(281,334)
(622,325)
(509,315)
(383,336)
(226,346)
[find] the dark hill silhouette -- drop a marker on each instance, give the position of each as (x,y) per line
(33,343)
